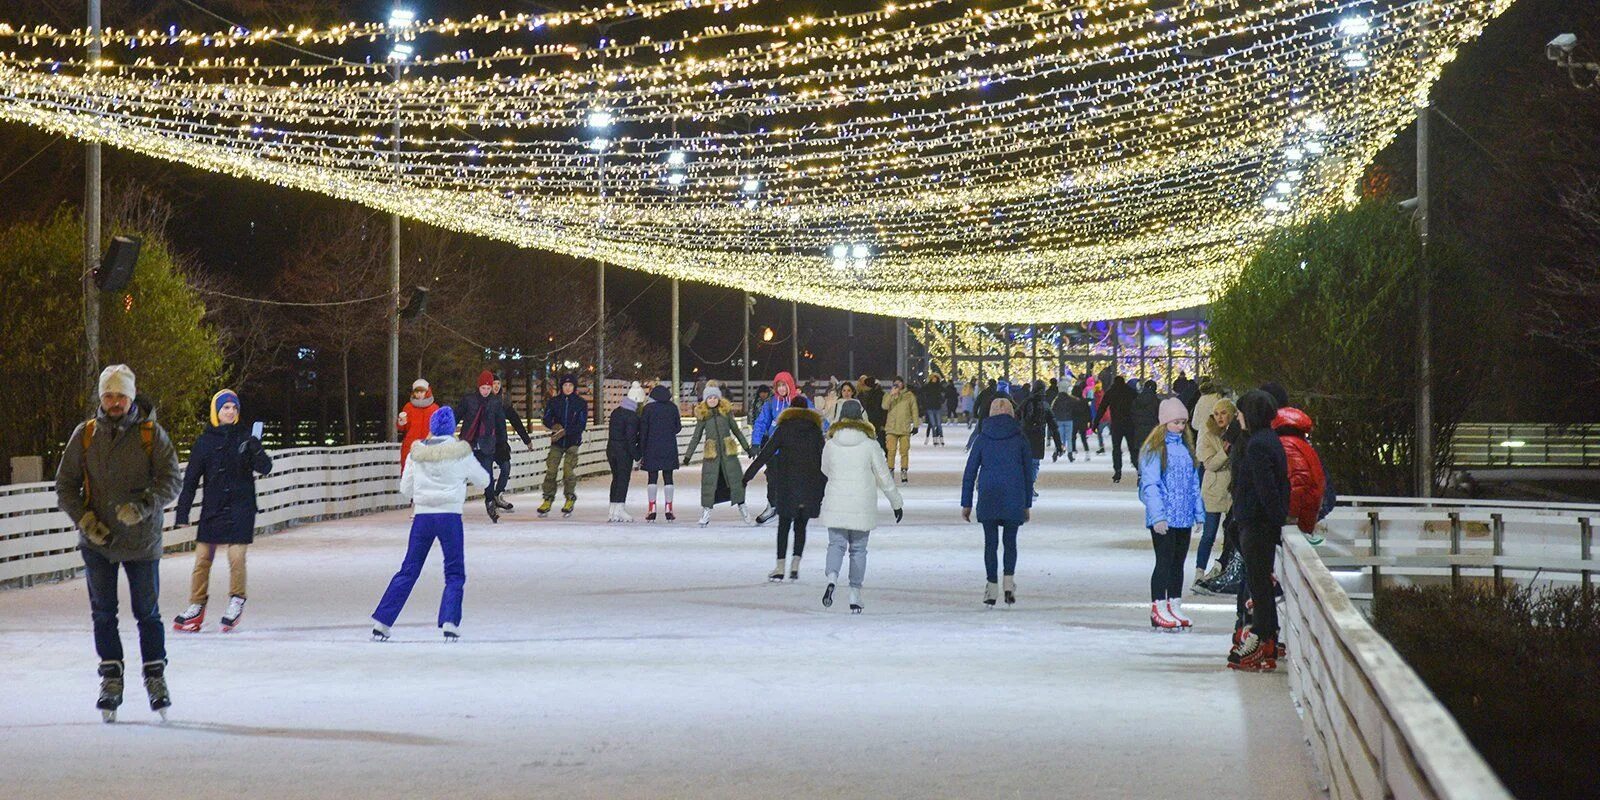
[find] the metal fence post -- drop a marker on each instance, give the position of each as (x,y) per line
(1372,528)
(1586,547)
(1455,549)
(1499,549)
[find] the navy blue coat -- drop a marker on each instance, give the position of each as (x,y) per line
(622,435)
(570,412)
(225,459)
(997,467)
(659,424)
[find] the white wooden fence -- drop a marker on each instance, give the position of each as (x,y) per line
(39,542)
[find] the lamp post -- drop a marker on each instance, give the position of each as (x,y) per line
(91,233)
(600,120)
(399,19)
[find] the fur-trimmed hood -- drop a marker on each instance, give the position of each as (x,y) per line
(800,412)
(448,449)
(860,425)
(702,410)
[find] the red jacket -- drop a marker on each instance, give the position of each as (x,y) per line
(1307,482)
(416,427)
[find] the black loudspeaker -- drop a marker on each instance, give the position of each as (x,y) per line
(416,304)
(116,269)
(687,337)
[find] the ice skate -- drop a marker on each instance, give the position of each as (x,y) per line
(794,568)
(380,632)
(155,685)
(110,690)
(903,476)
(566,508)
(190,620)
(544,508)
(991,593)
(451,633)
(1071,457)
(611,513)
(1175,613)
(1010,590)
(230,618)
(705,517)
(622,514)
(650,516)
(493,511)
(503,505)
(776,575)
(827,594)
(670,516)
(1252,654)
(1158,617)
(855,600)
(766,515)
(744,514)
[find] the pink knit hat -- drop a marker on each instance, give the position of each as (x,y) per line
(1173,410)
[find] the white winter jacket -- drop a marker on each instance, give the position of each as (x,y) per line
(437,473)
(857,471)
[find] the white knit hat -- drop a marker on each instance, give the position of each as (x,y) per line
(117,379)
(712,390)
(420,384)
(636,393)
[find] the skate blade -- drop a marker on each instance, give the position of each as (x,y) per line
(229,628)
(108,716)
(855,609)
(163,713)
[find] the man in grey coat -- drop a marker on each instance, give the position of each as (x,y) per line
(118,473)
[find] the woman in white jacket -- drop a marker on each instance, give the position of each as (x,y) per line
(435,479)
(856,471)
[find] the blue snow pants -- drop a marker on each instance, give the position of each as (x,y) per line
(424,529)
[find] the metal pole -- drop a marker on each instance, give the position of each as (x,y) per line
(1424,318)
(794,339)
(1033,349)
(677,380)
(600,342)
(91,235)
(850,332)
(900,346)
(394,283)
(745,395)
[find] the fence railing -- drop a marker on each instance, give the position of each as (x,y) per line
(39,542)
(1525,445)
(1376,731)
(1417,540)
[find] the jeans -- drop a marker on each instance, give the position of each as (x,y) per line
(1208,536)
(856,541)
(486,460)
(1172,550)
(504,466)
(992,537)
(1065,428)
(1118,437)
(424,529)
(561,460)
(1259,545)
(621,476)
(799,524)
(200,581)
(144,590)
(935,422)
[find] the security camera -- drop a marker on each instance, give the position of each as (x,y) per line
(1561,46)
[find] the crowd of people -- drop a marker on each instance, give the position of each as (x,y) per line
(1241,467)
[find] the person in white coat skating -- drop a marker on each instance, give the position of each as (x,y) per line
(856,471)
(436,475)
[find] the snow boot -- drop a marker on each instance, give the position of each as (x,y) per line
(451,633)
(705,517)
(794,568)
(855,600)
(566,508)
(1158,617)
(1175,613)
(155,685)
(1010,590)
(991,593)
(544,507)
(110,690)
(230,618)
(190,620)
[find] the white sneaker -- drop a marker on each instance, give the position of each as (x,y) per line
(705,517)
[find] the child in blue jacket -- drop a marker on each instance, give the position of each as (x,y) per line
(1169,487)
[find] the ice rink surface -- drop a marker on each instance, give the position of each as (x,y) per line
(656,661)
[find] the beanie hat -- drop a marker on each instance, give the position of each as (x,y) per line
(1173,410)
(636,393)
(420,384)
(443,422)
(850,409)
(486,378)
(117,379)
(219,400)
(712,390)
(1277,392)
(566,379)
(799,401)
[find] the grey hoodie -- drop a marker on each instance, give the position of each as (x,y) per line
(119,471)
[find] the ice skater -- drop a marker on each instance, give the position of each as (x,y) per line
(721,480)
(622,450)
(793,458)
(999,470)
(483,419)
(659,424)
(225,461)
(435,480)
(565,417)
(1169,487)
(412,421)
(783,393)
(118,472)
(856,471)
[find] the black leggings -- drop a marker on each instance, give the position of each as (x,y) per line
(799,524)
(666,476)
(621,475)
(1258,543)
(1118,437)
(1172,553)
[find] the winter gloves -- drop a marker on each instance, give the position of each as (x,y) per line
(96,531)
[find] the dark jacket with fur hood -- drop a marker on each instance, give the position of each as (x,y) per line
(792,455)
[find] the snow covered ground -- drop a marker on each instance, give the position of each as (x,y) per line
(635,661)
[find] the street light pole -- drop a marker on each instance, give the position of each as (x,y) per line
(744,389)
(794,338)
(1424,318)
(91,233)
(396,18)
(677,378)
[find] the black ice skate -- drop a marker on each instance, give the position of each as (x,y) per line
(110,690)
(503,505)
(155,685)
(494,512)
(827,596)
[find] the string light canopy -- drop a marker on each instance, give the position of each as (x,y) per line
(1026,161)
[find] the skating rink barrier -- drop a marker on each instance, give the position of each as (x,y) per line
(1375,730)
(38,542)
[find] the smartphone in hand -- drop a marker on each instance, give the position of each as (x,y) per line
(256,428)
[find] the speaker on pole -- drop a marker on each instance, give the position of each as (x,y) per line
(116,268)
(416,303)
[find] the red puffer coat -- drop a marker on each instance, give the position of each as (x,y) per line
(416,427)
(1306,479)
